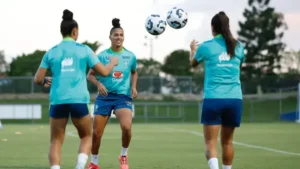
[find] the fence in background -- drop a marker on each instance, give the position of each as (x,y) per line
(266,110)
(153,85)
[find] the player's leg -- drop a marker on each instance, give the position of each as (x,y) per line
(58,120)
(123,111)
(82,121)
(231,119)
(102,112)
(227,147)
(211,121)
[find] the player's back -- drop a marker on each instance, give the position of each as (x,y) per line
(222,73)
(68,63)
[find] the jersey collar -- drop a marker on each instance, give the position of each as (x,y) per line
(115,51)
(219,36)
(68,39)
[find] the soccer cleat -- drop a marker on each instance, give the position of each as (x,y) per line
(123,162)
(93,166)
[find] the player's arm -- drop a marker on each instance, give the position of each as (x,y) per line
(134,73)
(91,77)
(40,76)
(98,67)
(134,78)
(197,53)
(194,63)
(104,70)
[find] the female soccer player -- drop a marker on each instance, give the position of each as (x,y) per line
(222,104)
(116,92)
(68,93)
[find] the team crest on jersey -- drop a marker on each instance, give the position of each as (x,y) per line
(126,63)
(118,74)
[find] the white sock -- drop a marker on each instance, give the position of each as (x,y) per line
(81,162)
(124,151)
(55,167)
(227,166)
(213,163)
(94,159)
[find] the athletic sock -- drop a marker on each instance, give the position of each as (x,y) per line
(124,151)
(55,167)
(213,163)
(82,159)
(94,159)
(227,166)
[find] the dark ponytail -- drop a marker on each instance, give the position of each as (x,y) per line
(116,24)
(68,23)
(220,23)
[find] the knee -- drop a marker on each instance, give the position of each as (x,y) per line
(126,128)
(57,140)
(210,144)
(226,143)
(97,133)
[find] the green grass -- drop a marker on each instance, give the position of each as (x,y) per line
(253,110)
(154,146)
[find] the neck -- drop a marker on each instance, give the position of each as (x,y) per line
(116,48)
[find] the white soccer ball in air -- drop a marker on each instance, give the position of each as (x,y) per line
(155,24)
(177,18)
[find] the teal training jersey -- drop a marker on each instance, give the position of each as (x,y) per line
(119,81)
(222,74)
(68,63)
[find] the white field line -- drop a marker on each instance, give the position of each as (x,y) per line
(235,142)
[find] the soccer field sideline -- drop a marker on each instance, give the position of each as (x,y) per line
(196,133)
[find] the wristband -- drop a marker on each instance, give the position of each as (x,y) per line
(45,81)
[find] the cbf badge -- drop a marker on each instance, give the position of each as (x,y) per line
(126,64)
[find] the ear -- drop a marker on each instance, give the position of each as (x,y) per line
(74,32)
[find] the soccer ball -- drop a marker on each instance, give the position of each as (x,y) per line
(155,24)
(177,18)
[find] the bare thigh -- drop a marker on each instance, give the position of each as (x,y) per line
(83,125)
(57,129)
(124,116)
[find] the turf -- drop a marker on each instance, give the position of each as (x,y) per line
(155,146)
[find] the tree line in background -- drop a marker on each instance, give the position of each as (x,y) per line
(267,64)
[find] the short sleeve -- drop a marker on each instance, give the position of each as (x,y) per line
(45,61)
(242,52)
(101,58)
(243,55)
(92,58)
(133,65)
(200,53)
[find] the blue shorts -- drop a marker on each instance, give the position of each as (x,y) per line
(105,105)
(226,112)
(76,110)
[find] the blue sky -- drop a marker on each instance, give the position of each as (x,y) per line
(34,24)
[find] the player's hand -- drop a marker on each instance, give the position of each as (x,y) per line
(102,90)
(114,60)
(48,82)
(134,93)
(194,44)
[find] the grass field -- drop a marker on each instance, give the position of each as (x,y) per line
(155,146)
